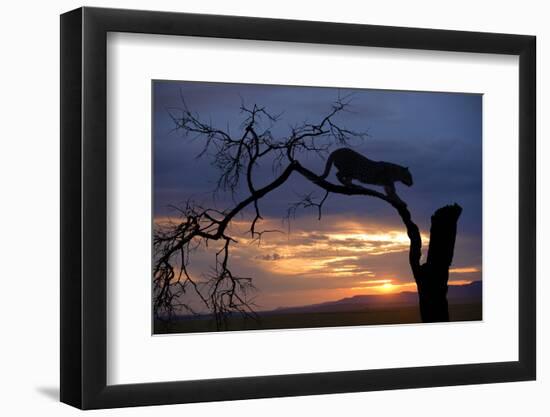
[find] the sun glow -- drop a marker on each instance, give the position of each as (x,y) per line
(382,286)
(387,287)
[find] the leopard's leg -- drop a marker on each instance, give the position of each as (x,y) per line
(344,179)
(390,192)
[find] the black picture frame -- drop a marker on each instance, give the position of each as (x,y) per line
(84,207)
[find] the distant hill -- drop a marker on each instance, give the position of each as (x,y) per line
(457,294)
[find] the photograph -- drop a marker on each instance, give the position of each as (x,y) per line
(287,207)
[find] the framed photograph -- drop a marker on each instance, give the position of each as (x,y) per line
(259,208)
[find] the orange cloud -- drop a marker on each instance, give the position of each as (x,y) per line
(464,270)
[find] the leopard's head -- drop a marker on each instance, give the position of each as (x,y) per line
(406,177)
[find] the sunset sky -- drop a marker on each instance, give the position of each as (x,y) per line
(360,245)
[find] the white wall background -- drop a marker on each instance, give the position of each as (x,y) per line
(29,225)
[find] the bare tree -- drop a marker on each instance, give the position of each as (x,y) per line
(237,158)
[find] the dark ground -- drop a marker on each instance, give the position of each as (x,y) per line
(273,320)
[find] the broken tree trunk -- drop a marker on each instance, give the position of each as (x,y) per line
(434,274)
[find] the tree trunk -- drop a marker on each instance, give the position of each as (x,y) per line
(434,274)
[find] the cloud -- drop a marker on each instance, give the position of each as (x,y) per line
(269,257)
(464,270)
